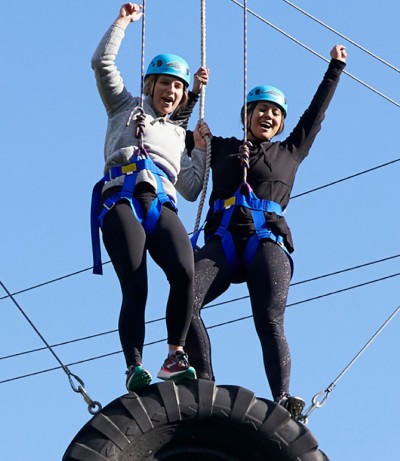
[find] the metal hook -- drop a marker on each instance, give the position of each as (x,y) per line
(93,406)
(316,403)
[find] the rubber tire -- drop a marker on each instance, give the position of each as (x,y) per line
(192,421)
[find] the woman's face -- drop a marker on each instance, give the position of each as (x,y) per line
(265,121)
(167,94)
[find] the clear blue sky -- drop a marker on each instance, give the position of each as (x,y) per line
(52,133)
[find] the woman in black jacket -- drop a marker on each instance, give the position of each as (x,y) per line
(247,237)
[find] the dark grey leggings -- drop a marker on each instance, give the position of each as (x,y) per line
(268,278)
(170,247)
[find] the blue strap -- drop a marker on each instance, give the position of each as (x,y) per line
(226,238)
(130,172)
(250,201)
(195,237)
(153,215)
(230,251)
(94,226)
(262,232)
(258,207)
(114,199)
(128,185)
(134,166)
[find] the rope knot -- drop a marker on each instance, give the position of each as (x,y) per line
(141,117)
(244,155)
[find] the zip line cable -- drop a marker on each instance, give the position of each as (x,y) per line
(210,327)
(343,36)
(96,335)
(48,282)
(379,93)
(93,406)
(346,178)
(341,271)
(87,269)
(318,404)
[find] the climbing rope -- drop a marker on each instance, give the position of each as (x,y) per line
(203,53)
(244,153)
(142,53)
(93,406)
(344,37)
(316,403)
(141,117)
(379,93)
(201,117)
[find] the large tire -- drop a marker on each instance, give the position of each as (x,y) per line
(193,421)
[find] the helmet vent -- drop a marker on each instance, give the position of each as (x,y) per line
(178,66)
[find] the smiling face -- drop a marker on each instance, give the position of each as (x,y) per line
(265,121)
(167,94)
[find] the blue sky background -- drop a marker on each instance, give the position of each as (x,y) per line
(52,133)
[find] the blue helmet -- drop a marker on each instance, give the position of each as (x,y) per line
(170,64)
(268,93)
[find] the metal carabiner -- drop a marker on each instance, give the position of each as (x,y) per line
(93,406)
(316,403)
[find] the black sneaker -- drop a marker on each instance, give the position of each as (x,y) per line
(177,367)
(137,377)
(294,405)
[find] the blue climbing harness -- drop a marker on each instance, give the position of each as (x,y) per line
(257,207)
(130,172)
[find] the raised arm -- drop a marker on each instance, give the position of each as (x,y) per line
(109,81)
(303,135)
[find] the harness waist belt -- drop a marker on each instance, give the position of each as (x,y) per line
(251,201)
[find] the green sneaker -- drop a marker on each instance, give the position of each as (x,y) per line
(137,377)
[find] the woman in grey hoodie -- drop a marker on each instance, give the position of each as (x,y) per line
(135,202)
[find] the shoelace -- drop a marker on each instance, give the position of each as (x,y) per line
(182,359)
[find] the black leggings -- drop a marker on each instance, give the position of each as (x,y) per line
(268,278)
(126,243)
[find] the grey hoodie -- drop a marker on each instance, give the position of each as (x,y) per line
(163,139)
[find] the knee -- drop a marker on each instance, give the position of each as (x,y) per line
(182,274)
(270,326)
(133,286)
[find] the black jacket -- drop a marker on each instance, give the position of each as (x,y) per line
(273,165)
